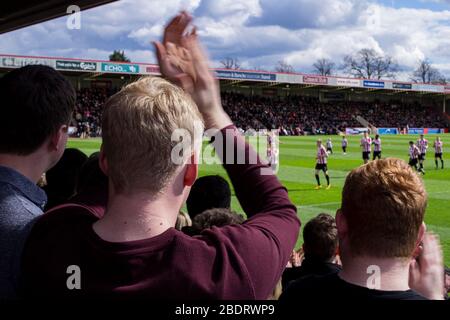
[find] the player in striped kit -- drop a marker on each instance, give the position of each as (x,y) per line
(272,150)
(376,147)
(422,144)
(366,144)
(321,164)
(329,146)
(438,150)
(344,144)
(414,154)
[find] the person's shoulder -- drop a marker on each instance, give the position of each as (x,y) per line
(310,287)
(63,219)
(16,209)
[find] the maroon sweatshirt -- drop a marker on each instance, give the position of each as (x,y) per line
(233,262)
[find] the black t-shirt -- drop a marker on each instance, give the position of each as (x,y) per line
(315,288)
(309,267)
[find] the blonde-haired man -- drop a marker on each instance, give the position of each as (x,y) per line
(384,250)
(134,250)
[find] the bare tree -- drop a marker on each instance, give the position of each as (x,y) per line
(324,67)
(426,73)
(283,66)
(368,64)
(230,63)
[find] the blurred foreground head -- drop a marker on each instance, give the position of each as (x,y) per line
(208,192)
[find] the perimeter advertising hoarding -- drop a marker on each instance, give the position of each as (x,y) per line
(402,86)
(348,82)
(76,65)
(428,88)
(416,131)
(242,75)
(18,62)
(120,68)
(315,80)
(373,84)
(383,131)
(355,131)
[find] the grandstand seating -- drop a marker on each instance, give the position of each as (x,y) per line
(296,115)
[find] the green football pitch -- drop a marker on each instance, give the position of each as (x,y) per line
(297,161)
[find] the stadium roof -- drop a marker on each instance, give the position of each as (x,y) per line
(22,13)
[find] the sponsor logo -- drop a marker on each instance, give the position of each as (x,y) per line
(18,62)
(120,68)
(355,131)
(245,75)
(373,84)
(348,82)
(402,86)
(428,87)
(315,80)
(76,65)
(387,131)
(152,69)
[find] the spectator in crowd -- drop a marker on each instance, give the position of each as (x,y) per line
(380,227)
(320,246)
(208,192)
(134,251)
(36,107)
(293,115)
(217,217)
(62,178)
(92,187)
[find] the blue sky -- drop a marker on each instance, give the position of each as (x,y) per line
(258,32)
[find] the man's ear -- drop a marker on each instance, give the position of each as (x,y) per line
(102,161)
(420,236)
(341,224)
(191,172)
(58,139)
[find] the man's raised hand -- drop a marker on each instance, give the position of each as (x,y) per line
(183,61)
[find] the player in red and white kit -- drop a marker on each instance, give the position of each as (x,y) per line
(422,144)
(344,144)
(366,145)
(438,150)
(321,164)
(376,147)
(272,150)
(414,154)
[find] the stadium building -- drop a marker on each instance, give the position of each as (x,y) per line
(108,75)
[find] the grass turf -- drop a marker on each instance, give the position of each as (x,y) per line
(297,161)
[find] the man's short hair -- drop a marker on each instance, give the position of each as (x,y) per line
(208,192)
(384,205)
(35,102)
(320,238)
(138,123)
(217,217)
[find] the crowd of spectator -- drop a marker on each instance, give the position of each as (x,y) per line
(299,115)
(109,229)
(296,115)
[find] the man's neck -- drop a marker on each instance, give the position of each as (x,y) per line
(31,166)
(363,271)
(136,217)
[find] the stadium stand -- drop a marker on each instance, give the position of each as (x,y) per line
(296,115)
